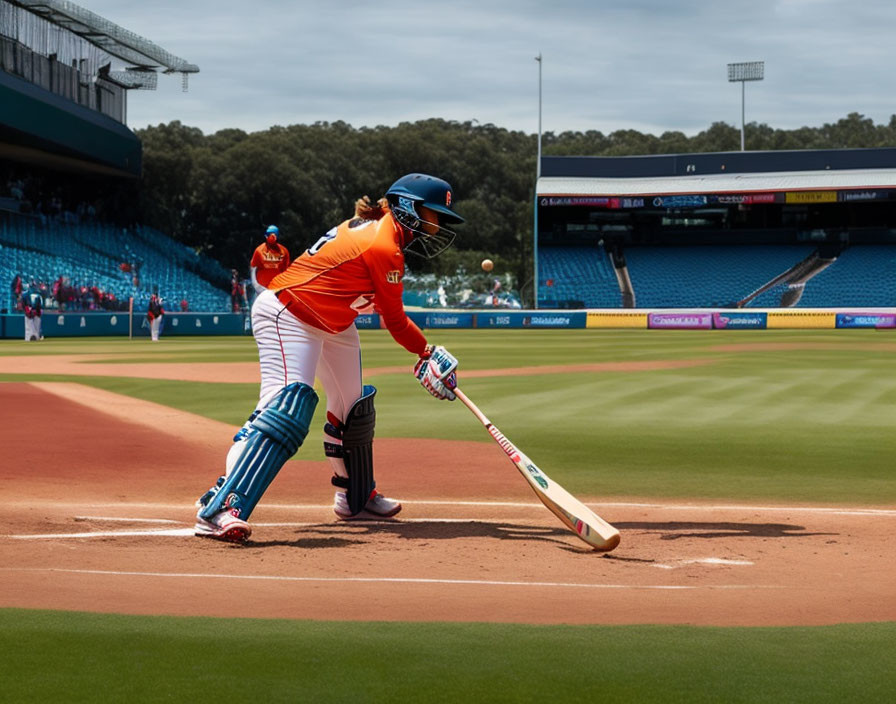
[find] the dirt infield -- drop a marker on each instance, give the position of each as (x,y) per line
(98,517)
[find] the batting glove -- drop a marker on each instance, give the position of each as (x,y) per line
(435,370)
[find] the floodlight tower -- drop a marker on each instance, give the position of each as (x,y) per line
(535,209)
(538,162)
(749,71)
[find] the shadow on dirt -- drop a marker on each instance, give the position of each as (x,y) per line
(341,535)
(674,530)
(328,535)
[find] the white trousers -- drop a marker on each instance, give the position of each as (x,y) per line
(155,327)
(32,328)
(290,351)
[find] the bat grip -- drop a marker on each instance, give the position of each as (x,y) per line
(472,406)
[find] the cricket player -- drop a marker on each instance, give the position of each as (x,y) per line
(269,259)
(303,326)
(32,306)
(154,314)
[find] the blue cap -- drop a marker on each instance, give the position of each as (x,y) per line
(272,230)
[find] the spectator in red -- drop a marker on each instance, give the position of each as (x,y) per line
(184,306)
(57,292)
(97,298)
(237,292)
(17,291)
(85,299)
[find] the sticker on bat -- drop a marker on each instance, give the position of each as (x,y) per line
(537,476)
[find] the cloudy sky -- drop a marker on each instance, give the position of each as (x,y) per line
(648,65)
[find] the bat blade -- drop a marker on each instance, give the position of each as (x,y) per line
(580,519)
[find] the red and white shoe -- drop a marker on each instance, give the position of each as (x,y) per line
(223,526)
(377,506)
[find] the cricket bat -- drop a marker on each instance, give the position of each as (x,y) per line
(580,519)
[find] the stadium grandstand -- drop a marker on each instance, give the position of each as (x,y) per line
(70,167)
(813,228)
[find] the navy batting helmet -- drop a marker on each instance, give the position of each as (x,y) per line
(414,190)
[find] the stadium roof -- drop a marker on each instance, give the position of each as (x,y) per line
(721,172)
(111,38)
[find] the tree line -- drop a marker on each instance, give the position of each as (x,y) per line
(217,193)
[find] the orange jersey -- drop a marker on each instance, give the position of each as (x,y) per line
(269,261)
(356,264)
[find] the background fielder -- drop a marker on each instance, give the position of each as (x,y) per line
(303,326)
(32,307)
(154,314)
(269,259)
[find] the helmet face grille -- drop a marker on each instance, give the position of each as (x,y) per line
(423,244)
(430,246)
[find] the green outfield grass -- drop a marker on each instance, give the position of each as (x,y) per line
(812,424)
(51,656)
(806,424)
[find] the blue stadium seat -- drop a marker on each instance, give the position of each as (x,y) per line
(714,276)
(863,275)
(706,276)
(582,274)
(92,254)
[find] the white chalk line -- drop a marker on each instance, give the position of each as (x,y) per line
(831,510)
(390,580)
(703,561)
(170,532)
(125,519)
(360,521)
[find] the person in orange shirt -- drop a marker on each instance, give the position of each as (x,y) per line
(303,326)
(269,259)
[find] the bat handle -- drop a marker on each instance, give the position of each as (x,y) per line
(472,406)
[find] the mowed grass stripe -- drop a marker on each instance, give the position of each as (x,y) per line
(692,397)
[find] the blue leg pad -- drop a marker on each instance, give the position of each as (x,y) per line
(274,436)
